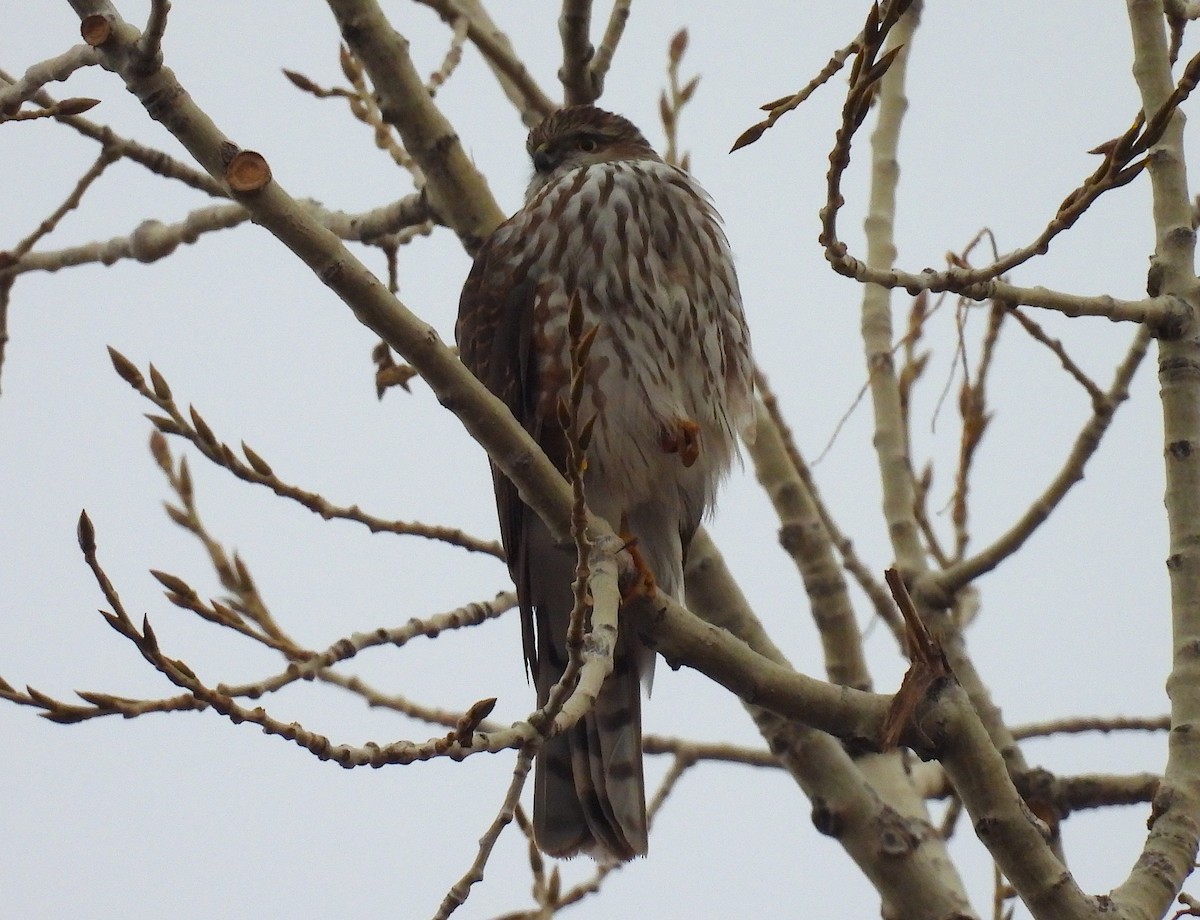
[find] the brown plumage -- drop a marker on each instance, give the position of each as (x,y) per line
(668,380)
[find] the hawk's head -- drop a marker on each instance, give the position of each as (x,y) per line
(581,135)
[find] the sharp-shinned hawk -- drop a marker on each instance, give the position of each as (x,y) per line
(669,382)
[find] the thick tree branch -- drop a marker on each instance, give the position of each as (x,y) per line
(574,28)
(803,536)
(920,881)
(890,440)
(458,193)
(1169,854)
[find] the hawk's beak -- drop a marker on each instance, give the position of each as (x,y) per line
(542,159)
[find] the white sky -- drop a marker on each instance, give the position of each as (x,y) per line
(191,816)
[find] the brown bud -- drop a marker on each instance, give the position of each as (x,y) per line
(173,583)
(258,463)
(201,426)
(301,81)
(749,136)
(126,368)
(159,450)
(679,43)
(86,534)
(161,389)
(76,106)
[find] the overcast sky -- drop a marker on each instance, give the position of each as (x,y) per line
(190,816)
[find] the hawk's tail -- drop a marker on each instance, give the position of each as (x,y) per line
(589,793)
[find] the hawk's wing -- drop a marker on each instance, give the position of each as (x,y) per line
(494,333)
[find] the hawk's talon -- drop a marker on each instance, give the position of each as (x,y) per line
(643,584)
(684,440)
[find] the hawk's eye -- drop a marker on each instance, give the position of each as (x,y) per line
(587,144)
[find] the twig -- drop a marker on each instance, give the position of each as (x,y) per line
(99,705)
(154,160)
(602,59)
(450,718)
(254,469)
(73,106)
(1120,165)
(53,70)
(698,751)
(371,754)
(1086,443)
(458,893)
(453,58)
(245,610)
(310,665)
(365,108)
(103,161)
(1078,724)
(1096,395)
(780,107)
(975,417)
(512,74)
(107,157)
(149,46)
(674,98)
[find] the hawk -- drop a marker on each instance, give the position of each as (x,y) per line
(668,380)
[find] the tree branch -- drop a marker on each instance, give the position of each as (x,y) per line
(1169,853)
(458,193)
(53,70)
(511,73)
(962,573)
(574,27)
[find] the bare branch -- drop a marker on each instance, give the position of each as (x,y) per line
(574,27)
(1097,395)
(460,27)
(150,44)
(1088,440)
(458,893)
(1118,167)
(518,84)
(311,665)
(1076,724)
(874,589)
(602,59)
(698,751)
(103,161)
(150,241)
(781,107)
(254,469)
(457,192)
(55,69)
